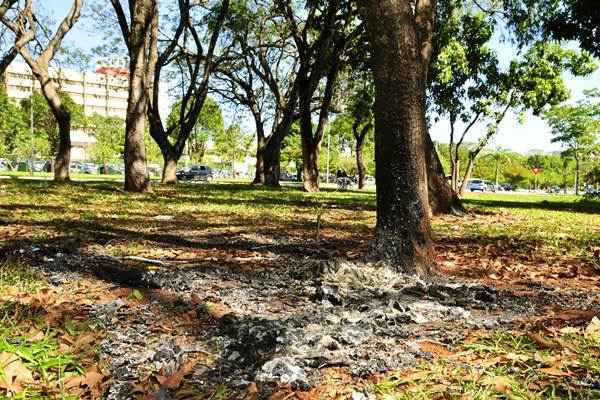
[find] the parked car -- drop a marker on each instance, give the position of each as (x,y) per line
(289,177)
(89,168)
(196,173)
(477,185)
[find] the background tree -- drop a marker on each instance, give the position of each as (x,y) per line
(576,128)
(25,28)
(260,76)
(109,133)
(13,129)
(322,32)
(195,62)
(232,145)
(208,125)
(46,131)
(138,34)
(361,111)
(9,52)
(533,82)
(461,76)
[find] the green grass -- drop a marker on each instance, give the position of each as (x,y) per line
(14,274)
(504,365)
(40,355)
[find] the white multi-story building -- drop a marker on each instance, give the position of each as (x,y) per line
(103,92)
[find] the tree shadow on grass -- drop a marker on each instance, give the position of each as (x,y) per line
(581,206)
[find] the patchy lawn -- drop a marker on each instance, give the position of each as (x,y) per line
(211,291)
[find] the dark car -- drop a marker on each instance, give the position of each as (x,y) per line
(195,173)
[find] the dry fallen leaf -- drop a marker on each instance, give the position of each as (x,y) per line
(500,383)
(14,373)
(174,381)
(554,372)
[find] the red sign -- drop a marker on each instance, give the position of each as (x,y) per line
(536,170)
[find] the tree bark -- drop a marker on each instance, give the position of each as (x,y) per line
(62,161)
(403,236)
(169,176)
(310,165)
(136,174)
(468,172)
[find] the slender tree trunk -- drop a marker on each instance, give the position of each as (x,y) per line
(105,171)
(310,166)
(359,136)
(468,172)
(442,199)
(360,164)
(63,154)
(62,116)
(403,235)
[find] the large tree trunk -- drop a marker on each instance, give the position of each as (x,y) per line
(272,153)
(442,199)
(403,236)
(136,175)
(310,166)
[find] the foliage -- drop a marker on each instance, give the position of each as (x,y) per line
(109,133)
(576,127)
(232,144)
(561,19)
(44,123)
(13,130)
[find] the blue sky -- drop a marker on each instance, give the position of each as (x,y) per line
(533,134)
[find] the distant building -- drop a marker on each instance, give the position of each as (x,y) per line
(103,92)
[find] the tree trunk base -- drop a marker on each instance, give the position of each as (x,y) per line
(169,175)
(391,250)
